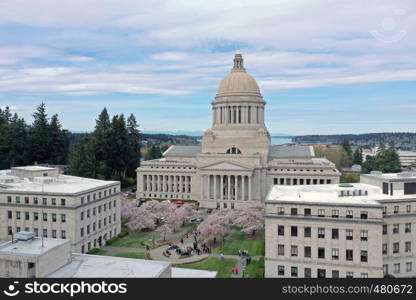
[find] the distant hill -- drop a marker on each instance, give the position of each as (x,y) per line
(402,140)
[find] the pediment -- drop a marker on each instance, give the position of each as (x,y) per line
(227,166)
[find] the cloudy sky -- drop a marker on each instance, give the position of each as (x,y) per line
(323,66)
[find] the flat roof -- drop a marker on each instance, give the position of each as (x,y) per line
(90,266)
(325,193)
(62,184)
(34,168)
(192,273)
(32,247)
(404,176)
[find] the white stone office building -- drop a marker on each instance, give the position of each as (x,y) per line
(363,229)
(236,161)
(39,199)
(28,256)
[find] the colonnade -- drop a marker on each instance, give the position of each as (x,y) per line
(226,187)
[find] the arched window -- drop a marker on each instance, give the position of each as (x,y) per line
(233,150)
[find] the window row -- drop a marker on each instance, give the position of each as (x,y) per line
(321,233)
(36,231)
(97,210)
(99,195)
(396,228)
(98,242)
(322,212)
(35,216)
(396,209)
(396,268)
(321,253)
(396,248)
(320,273)
(299,181)
(36,200)
(91,228)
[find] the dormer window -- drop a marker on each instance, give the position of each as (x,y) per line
(233,150)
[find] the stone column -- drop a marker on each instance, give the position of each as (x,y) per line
(215,187)
(229,187)
(222,186)
(249,188)
(243,186)
(237,186)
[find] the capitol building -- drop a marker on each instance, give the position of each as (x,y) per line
(235,162)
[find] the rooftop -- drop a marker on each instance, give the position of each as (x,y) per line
(62,184)
(33,247)
(404,176)
(327,193)
(90,266)
(34,168)
(291,151)
(192,273)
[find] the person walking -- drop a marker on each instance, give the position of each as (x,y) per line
(222,257)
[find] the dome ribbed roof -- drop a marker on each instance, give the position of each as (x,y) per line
(238,82)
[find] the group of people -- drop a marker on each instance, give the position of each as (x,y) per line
(195,249)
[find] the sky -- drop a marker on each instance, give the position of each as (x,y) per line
(323,66)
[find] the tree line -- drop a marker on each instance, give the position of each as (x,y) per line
(43,141)
(111,151)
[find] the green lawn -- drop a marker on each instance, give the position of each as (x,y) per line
(255,269)
(97,251)
(214,264)
(139,255)
(137,240)
(237,240)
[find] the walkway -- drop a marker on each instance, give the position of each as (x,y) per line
(157,253)
(116,250)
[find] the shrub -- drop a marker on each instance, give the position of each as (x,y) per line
(111,240)
(123,233)
(96,251)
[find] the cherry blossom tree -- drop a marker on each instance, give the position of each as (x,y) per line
(141,219)
(250,217)
(159,209)
(216,225)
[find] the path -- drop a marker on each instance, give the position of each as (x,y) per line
(116,250)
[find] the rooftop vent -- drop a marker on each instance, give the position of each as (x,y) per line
(345,185)
(24,235)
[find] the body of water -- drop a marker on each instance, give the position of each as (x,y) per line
(281,140)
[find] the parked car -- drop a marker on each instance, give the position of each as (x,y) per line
(198,220)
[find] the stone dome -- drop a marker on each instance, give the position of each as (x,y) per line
(238,82)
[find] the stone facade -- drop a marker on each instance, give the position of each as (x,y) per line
(236,161)
(346,230)
(85,211)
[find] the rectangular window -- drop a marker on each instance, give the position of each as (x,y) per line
(408,247)
(349,254)
(335,274)
(364,215)
(385,269)
(409,188)
(408,227)
(9,199)
(396,209)
(350,214)
(335,233)
(63,234)
(82,231)
(321,213)
(396,228)
(307,212)
(335,213)
(35,216)
(27,216)
(63,202)
(280,250)
(281,270)
(9,214)
(280,210)
(335,253)
(307,232)
(293,211)
(45,232)
(349,274)
(385,229)
(396,268)
(384,210)
(17,199)
(294,231)
(26,200)
(82,215)
(364,256)
(54,233)
(53,201)
(364,235)
(408,208)
(35,200)
(53,217)
(385,249)
(307,251)
(308,273)
(294,251)
(294,271)
(63,218)
(280,230)
(409,267)
(321,273)
(396,248)
(349,234)
(321,233)
(44,201)
(18,215)
(321,253)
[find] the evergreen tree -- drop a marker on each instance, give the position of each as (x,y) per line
(134,146)
(59,142)
(102,143)
(153,153)
(358,156)
(119,146)
(348,151)
(82,158)
(40,137)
